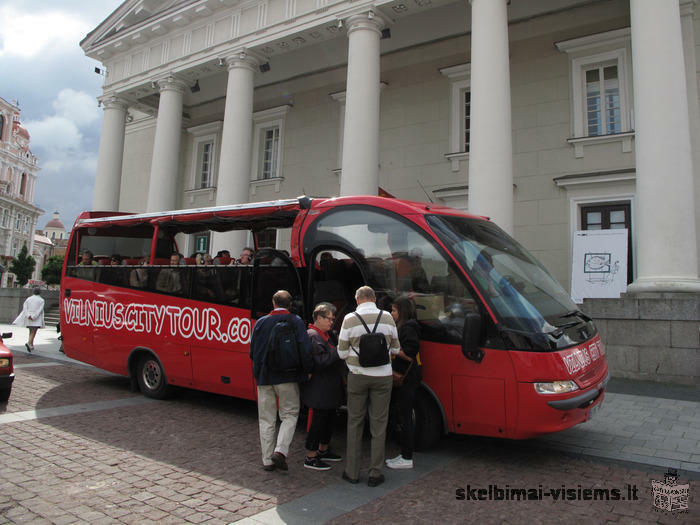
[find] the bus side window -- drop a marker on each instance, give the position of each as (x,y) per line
(271,274)
(222,284)
(172,280)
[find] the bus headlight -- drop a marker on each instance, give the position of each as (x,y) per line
(556,387)
(4,363)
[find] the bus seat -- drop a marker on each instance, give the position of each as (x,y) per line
(131,261)
(161,261)
(190,261)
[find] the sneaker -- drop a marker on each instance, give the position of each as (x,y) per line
(269,467)
(279,461)
(327,455)
(387,461)
(374,481)
(399,463)
(315,463)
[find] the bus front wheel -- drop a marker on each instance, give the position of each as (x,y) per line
(428,422)
(151,377)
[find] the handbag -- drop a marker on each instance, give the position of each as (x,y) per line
(398,378)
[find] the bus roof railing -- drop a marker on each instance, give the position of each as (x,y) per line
(213,215)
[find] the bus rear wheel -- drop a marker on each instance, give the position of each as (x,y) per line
(428,422)
(151,377)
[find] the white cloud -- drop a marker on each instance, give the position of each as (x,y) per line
(54,133)
(76,106)
(27,34)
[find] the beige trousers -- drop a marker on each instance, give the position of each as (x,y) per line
(288,395)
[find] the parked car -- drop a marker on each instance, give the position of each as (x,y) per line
(7,371)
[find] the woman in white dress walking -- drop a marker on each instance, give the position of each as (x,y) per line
(32,316)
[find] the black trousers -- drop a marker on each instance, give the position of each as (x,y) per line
(321,428)
(405,398)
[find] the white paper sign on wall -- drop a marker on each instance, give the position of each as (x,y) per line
(599,264)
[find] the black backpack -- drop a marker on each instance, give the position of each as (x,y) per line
(373,348)
(283,348)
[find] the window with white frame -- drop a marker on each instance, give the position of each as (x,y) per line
(601,88)
(204,155)
(460,112)
(603,109)
(18,222)
(5,218)
(268,139)
(465,97)
(26,224)
(205,161)
(269,152)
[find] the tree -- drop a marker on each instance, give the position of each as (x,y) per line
(51,272)
(23,266)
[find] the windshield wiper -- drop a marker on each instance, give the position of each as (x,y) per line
(577,313)
(561,329)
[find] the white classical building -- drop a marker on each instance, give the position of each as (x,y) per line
(549,116)
(18,174)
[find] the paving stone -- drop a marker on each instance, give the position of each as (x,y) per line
(137,464)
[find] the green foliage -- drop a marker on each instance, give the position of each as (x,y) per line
(51,272)
(23,266)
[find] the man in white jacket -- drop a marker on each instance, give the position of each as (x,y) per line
(32,316)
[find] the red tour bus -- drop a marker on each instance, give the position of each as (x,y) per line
(505,351)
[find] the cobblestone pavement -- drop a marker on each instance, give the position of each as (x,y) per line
(195,459)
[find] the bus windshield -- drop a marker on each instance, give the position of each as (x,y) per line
(525,297)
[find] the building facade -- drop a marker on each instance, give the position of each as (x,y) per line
(18,176)
(543,115)
(43,249)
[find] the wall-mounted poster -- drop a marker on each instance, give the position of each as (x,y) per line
(599,264)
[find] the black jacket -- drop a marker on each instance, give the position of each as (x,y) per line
(258,350)
(409,338)
(325,388)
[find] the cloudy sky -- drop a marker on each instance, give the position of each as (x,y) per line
(43,67)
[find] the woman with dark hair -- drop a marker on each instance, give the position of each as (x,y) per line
(407,368)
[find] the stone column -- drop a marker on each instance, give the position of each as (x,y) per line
(109,159)
(360,166)
(165,166)
(688,29)
(233,185)
(491,144)
(667,257)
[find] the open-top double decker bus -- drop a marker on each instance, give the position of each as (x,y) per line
(505,351)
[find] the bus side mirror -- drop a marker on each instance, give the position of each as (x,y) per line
(471,334)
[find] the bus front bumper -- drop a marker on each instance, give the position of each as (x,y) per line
(582,400)
(6,381)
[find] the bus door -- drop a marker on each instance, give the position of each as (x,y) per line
(273,270)
(333,278)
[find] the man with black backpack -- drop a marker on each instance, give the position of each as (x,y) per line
(367,338)
(281,352)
